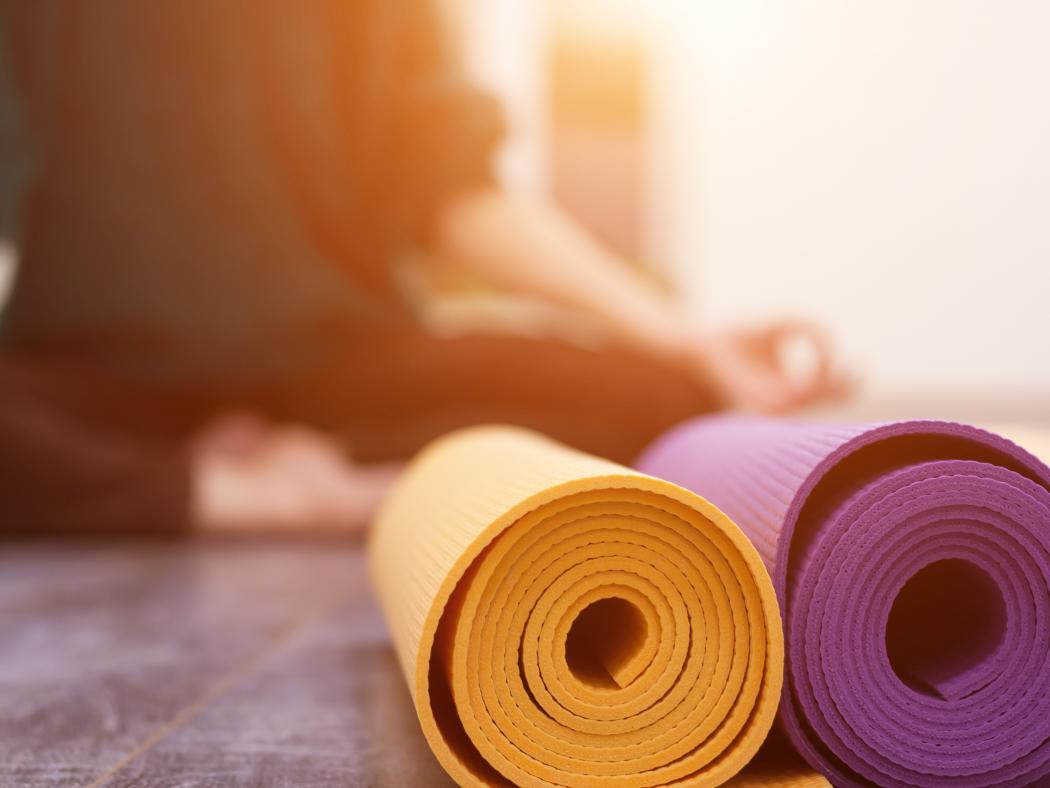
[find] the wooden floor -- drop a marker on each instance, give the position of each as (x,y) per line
(199,665)
(204,664)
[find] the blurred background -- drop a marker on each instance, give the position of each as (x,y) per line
(881,167)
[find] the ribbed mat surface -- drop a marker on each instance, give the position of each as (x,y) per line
(561,619)
(912,564)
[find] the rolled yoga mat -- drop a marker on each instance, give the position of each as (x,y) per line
(912,564)
(561,619)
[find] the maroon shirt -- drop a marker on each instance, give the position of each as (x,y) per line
(216,184)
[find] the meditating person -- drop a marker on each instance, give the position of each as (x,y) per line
(214,206)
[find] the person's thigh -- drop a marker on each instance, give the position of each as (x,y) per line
(387,394)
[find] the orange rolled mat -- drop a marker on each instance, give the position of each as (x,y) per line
(563,620)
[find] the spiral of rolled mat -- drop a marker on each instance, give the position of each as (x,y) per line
(563,620)
(912,563)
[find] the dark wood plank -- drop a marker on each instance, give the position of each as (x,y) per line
(105,646)
(330,709)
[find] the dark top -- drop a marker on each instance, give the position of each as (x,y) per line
(203,193)
(201,188)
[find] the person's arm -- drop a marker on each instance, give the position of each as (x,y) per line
(530,247)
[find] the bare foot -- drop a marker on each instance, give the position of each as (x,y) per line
(249,477)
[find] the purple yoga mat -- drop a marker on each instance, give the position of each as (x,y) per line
(912,565)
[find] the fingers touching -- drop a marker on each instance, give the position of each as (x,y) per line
(775,368)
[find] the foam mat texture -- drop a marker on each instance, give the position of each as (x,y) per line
(912,565)
(563,620)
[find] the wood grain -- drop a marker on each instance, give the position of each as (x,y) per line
(199,664)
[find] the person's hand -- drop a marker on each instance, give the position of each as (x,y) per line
(251,477)
(775,369)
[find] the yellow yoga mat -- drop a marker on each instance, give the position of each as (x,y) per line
(563,620)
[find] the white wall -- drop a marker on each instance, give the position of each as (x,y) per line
(884,166)
(504,50)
